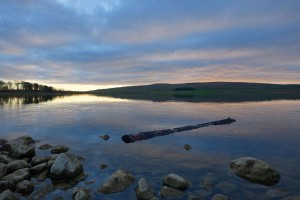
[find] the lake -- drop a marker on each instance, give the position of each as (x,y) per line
(267,130)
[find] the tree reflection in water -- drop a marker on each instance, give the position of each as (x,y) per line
(26,99)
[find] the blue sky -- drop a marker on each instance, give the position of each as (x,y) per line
(78,44)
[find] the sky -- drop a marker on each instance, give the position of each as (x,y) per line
(83,45)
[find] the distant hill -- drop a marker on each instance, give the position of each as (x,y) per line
(211,91)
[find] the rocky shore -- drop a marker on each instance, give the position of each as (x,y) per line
(23,174)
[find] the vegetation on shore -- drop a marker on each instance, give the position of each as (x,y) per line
(202,92)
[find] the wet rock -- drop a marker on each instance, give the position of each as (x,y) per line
(187,147)
(90,182)
(42,192)
(65,184)
(36,160)
(105,137)
(175,181)
(8,195)
(167,192)
(226,187)
(52,159)
(5,159)
(103,166)
(255,170)
(143,191)
(38,168)
(7,185)
(16,164)
(3,141)
(273,193)
(81,158)
(59,149)
(119,181)
(45,147)
(20,147)
(17,176)
(42,176)
(3,170)
(220,197)
(66,166)
(25,187)
(193,197)
(81,194)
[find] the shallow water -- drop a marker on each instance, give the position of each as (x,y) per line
(267,130)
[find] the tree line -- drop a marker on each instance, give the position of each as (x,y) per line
(25,86)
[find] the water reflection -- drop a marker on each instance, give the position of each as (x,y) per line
(6,100)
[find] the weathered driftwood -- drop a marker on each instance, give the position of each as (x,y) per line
(151,134)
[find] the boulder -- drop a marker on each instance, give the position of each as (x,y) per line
(38,168)
(3,141)
(17,176)
(143,191)
(52,159)
(119,181)
(220,197)
(25,187)
(255,170)
(5,159)
(16,164)
(8,195)
(20,147)
(176,182)
(59,149)
(36,160)
(167,192)
(66,166)
(3,170)
(81,194)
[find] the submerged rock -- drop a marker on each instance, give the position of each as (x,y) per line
(66,166)
(255,170)
(143,191)
(45,147)
(220,197)
(105,137)
(167,192)
(103,166)
(20,147)
(187,147)
(8,195)
(119,181)
(25,187)
(175,181)
(59,149)
(81,194)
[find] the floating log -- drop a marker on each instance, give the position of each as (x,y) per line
(151,134)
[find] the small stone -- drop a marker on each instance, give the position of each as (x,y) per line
(193,197)
(36,160)
(3,141)
(45,147)
(25,187)
(103,166)
(220,197)
(167,192)
(118,182)
(16,164)
(81,194)
(176,182)
(187,147)
(143,191)
(59,149)
(105,137)
(38,168)
(8,195)
(3,170)
(90,182)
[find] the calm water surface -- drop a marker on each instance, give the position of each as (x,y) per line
(266,130)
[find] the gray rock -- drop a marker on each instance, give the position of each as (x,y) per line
(119,181)
(36,160)
(103,166)
(38,168)
(187,147)
(17,176)
(25,187)
(105,137)
(3,141)
(143,191)
(20,147)
(167,192)
(52,159)
(5,159)
(3,170)
(16,164)
(45,147)
(8,195)
(7,185)
(81,194)
(255,170)
(59,149)
(176,182)
(66,166)
(220,197)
